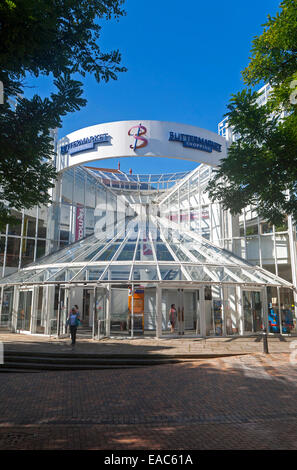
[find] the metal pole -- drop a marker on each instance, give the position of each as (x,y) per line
(265,322)
(265,341)
(132,312)
(94,314)
(59,312)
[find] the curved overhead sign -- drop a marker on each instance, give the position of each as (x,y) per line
(140,138)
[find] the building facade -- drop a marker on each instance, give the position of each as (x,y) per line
(126,247)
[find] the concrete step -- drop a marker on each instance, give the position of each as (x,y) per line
(74,354)
(35,367)
(71,360)
(88,361)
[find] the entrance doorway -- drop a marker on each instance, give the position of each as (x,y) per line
(187,306)
(86,310)
(252,311)
(98,313)
(25,310)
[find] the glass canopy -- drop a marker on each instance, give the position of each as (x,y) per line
(117,179)
(146,250)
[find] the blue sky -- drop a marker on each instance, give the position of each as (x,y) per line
(184,60)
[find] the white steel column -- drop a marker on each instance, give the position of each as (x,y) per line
(1,303)
(15,308)
(49,305)
(238,297)
(224,309)
(293,252)
(132,311)
(34,307)
(202,311)
(158,311)
(108,309)
(94,314)
(265,308)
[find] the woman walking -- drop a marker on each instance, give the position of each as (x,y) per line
(172,317)
(73,322)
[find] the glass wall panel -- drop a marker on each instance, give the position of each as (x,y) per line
(288,318)
(79,186)
(273,310)
(7,305)
(13,252)
(217,311)
(42,224)
(24,310)
(119,312)
(65,224)
(146,251)
(99,320)
(162,252)
(252,246)
(2,251)
(149,309)
(40,311)
(109,252)
(67,184)
(267,249)
(145,273)
(190,311)
(53,312)
(29,229)
(40,251)
(127,252)
(252,311)
(28,247)
(169,297)
(117,273)
(208,311)
(15,229)
(231,314)
(282,249)
(170,273)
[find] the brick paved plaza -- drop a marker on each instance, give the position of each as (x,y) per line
(238,402)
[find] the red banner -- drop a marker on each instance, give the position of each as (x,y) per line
(80,222)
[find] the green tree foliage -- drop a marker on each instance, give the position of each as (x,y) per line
(59,38)
(261,166)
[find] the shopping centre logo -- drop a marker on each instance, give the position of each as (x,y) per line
(140,141)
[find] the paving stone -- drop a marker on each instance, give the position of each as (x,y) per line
(246,402)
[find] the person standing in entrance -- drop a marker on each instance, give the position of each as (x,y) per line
(77,310)
(172,317)
(73,322)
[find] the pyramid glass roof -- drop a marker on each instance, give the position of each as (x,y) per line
(146,251)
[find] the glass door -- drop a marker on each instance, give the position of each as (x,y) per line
(24,310)
(252,311)
(99,317)
(40,312)
(7,305)
(190,312)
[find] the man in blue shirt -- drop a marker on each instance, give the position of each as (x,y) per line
(73,322)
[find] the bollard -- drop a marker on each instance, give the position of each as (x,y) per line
(265,341)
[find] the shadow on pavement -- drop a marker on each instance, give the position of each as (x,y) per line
(233,403)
